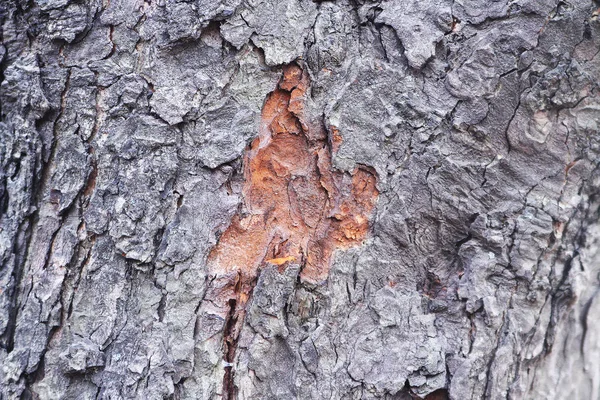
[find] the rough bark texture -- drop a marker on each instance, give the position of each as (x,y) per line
(288,199)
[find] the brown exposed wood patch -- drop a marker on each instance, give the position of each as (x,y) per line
(297,208)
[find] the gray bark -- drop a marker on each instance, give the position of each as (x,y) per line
(126,135)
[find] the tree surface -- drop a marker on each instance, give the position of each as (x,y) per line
(295,199)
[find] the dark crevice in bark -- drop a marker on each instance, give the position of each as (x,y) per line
(39,187)
(584,321)
(440,394)
(234,322)
(230,340)
(23,239)
(562,294)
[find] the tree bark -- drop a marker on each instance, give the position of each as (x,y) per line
(294,199)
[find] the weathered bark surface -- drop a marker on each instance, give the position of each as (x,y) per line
(288,199)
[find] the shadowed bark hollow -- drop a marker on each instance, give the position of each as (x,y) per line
(294,199)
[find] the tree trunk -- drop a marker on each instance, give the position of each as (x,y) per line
(294,199)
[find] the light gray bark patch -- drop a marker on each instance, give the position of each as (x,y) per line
(279,28)
(419,25)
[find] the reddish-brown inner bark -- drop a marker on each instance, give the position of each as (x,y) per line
(297,208)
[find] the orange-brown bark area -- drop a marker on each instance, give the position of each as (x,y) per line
(297,209)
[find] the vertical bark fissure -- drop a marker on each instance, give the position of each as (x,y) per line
(38,191)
